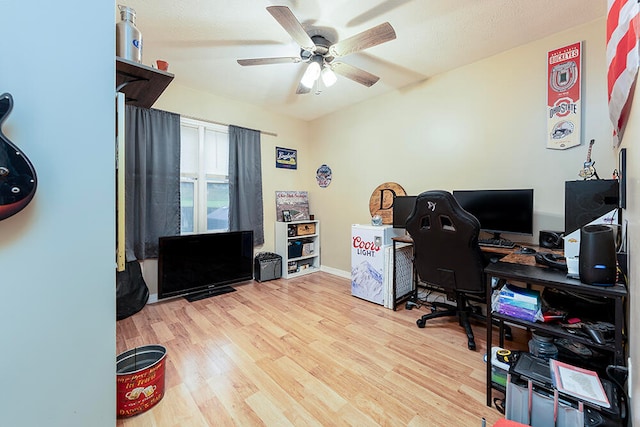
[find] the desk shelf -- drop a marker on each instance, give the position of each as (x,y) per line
(551,329)
(548,278)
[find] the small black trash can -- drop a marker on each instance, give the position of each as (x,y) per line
(267,266)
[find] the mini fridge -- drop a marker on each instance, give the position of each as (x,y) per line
(372,261)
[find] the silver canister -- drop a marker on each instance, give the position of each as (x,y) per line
(128,37)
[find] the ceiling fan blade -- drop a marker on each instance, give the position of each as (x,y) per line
(366,39)
(267,61)
(302,89)
(354,73)
(385,7)
(290,23)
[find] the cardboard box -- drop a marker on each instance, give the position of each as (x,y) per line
(306,229)
(308,248)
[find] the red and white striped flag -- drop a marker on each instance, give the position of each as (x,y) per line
(623,60)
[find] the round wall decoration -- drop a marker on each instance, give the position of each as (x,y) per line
(381,200)
(323,176)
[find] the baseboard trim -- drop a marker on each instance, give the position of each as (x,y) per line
(336,272)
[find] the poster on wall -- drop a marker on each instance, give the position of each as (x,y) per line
(294,203)
(564,91)
(286,158)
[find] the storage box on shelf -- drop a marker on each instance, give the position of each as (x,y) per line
(298,243)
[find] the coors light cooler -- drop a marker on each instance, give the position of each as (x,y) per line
(371,259)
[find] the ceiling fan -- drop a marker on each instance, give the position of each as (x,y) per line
(320,53)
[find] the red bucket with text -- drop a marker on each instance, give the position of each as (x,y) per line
(140,379)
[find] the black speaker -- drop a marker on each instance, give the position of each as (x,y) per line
(597,260)
(587,200)
(551,239)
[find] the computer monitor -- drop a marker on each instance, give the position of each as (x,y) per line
(402,208)
(499,211)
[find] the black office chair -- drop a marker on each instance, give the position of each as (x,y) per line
(447,256)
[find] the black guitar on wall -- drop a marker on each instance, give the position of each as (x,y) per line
(17,176)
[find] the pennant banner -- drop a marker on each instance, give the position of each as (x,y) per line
(622,60)
(564,89)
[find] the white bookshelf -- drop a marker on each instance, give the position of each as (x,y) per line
(303,248)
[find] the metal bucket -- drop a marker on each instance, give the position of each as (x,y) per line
(140,379)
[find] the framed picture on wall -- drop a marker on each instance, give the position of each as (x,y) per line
(296,203)
(564,94)
(286,158)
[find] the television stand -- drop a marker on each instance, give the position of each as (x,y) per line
(196,296)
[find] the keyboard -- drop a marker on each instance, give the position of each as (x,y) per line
(497,243)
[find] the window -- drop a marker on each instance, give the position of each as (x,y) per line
(204,177)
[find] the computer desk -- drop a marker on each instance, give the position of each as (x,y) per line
(406,240)
(512,266)
(489,251)
(522,268)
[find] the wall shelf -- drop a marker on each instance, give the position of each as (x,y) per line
(141,84)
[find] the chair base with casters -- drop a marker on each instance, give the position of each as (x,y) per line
(463,311)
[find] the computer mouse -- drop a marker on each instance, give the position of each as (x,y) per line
(526,250)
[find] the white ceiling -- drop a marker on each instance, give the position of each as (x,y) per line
(201,40)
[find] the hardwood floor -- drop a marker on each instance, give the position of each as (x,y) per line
(305,352)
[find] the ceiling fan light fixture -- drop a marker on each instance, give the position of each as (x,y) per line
(329,78)
(318,49)
(312,73)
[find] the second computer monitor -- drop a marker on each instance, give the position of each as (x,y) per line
(499,211)
(402,208)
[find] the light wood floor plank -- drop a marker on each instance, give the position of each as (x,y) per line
(304,352)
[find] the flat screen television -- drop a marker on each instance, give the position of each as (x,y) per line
(200,265)
(402,208)
(499,211)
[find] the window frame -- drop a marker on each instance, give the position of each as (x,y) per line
(201,178)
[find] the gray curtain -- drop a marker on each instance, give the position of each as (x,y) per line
(152,180)
(245,182)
